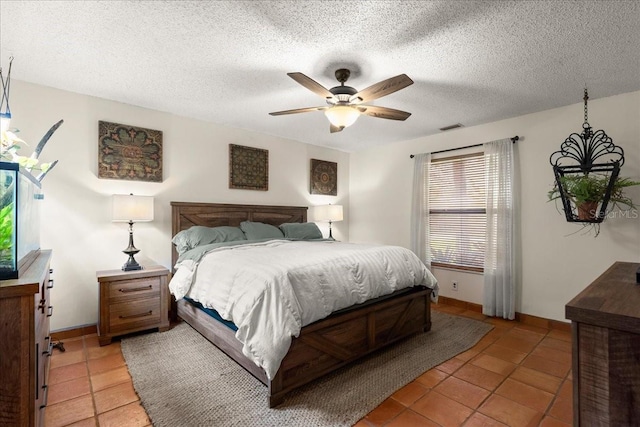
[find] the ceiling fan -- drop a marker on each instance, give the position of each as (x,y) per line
(345,104)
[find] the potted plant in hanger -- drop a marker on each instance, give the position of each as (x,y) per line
(587,191)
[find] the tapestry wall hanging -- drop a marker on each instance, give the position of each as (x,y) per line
(129,152)
(324,177)
(248,168)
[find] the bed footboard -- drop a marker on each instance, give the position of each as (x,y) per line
(323,346)
(329,344)
(326,345)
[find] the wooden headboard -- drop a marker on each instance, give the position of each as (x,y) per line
(187,214)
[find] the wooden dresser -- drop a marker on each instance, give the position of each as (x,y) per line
(132,301)
(605,323)
(25,344)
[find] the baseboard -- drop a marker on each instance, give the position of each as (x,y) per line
(64,334)
(542,322)
(459,303)
(527,319)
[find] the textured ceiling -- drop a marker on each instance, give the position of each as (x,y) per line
(226,61)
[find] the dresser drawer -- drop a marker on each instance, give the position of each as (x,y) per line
(133,315)
(126,290)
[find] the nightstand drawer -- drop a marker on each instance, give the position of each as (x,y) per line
(134,314)
(125,290)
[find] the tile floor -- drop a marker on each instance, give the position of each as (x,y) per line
(90,385)
(517,375)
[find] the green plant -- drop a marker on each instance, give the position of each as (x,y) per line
(6,233)
(591,188)
(587,191)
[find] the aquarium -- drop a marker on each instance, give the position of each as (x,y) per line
(20,200)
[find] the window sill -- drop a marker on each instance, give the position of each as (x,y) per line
(461,269)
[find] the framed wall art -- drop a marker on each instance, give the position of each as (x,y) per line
(248,168)
(129,152)
(324,177)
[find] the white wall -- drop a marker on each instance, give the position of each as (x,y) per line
(76,220)
(556,260)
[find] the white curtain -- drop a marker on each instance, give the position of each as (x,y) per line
(419,208)
(499,259)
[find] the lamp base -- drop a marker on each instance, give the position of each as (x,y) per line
(131,250)
(131,264)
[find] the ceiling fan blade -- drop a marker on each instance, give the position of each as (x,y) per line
(311,84)
(382,88)
(335,129)
(297,110)
(385,113)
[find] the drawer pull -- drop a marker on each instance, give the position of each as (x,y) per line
(45,387)
(37,370)
(133,316)
(50,285)
(50,313)
(48,352)
(143,288)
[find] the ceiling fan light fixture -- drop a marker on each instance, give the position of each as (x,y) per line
(342,116)
(345,102)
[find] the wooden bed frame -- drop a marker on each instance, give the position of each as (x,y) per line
(323,346)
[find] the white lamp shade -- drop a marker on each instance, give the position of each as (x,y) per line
(127,207)
(328,213)
(342,115)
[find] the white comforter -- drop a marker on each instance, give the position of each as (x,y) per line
(270,290)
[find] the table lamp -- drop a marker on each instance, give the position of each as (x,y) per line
(330,213)
(130,208)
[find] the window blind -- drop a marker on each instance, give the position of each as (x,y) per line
(457,211)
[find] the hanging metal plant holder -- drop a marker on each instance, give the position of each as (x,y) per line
(584,186)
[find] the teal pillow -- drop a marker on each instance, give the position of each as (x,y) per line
(305,230)
(199,235)
(259,230)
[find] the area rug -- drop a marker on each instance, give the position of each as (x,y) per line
(184,380)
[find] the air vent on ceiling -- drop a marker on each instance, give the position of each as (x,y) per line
(457,125)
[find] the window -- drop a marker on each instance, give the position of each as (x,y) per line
(457,212)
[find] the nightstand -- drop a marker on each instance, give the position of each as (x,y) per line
(132,301)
